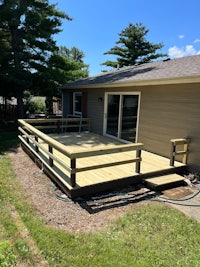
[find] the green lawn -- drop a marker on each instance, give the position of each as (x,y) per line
(148,235)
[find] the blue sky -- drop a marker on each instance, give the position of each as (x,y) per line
(96,24)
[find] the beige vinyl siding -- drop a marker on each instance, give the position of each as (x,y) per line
(166,112)
(96,110)
(170,111)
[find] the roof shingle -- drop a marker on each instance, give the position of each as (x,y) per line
(166,69)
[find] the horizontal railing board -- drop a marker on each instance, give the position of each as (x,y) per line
(108,150)
(180,141)
(105,165)
(61,126)
(35,121)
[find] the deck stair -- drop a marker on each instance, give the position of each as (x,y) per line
(164,181)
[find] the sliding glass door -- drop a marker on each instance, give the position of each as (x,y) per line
(121,115)
(113,115)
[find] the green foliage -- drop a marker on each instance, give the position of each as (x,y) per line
(7,256)
(29,57)
(27,44)
(61,69)
(133,48)
(36,106)
(74,58)
(65,65)
(74,54)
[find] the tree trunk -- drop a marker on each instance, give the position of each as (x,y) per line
(14,30)
(49,105)
(20,104)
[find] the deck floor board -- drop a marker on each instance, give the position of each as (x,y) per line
(77,142)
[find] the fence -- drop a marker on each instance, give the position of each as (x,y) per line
(8,112)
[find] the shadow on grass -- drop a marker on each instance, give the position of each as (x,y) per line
(8,141)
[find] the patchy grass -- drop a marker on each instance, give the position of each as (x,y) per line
(148,235)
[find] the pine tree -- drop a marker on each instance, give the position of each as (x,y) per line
(133,48)
(26,43)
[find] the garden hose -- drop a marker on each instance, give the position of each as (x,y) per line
(182,199)
(158,199)
(175,203)
(52,187)
(178,201)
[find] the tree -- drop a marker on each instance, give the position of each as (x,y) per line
(133,47)
(26,42)
(74,53)
(64,65)
(74,56)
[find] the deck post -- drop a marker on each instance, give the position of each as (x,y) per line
(138,163)
(175,152)
(172,156)
(58,127)
(27,139)
(73,175)
(89,126)
(185,156)
(36,147)
(50,159)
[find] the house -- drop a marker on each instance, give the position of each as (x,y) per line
(150,103)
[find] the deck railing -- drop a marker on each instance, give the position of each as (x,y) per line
(61,125)
(108,150)
(31,137)
(175,149)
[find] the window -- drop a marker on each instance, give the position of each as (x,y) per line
(77,104)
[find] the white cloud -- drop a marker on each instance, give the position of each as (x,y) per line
(181,36)
(188,50)
(197,40)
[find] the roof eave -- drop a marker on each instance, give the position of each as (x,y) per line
(177,80)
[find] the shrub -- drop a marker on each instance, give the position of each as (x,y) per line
(37,106)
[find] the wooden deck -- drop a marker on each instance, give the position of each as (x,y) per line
(79,142)
(89,178)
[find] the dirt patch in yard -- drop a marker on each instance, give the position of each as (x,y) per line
(84,215)
(79,216)
(191,205)
(177,193)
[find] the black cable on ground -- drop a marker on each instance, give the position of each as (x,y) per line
(53,188)
(178,201)
(182,199)
(65,198)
